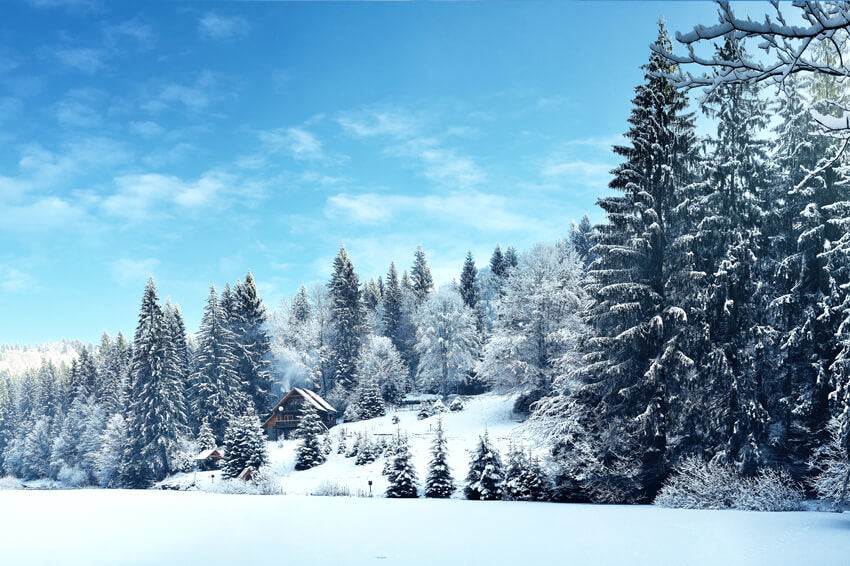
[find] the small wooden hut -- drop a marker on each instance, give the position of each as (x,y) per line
(283,419)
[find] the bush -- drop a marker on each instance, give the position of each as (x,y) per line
(697,484)
(456,405)
(264,482)
(331,489)
(10,482)
(72,476)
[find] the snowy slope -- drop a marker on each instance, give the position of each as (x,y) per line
(17,359)
(165,528)
(490,412)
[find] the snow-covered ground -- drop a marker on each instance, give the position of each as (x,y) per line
(16,359)
(484,412)
(164,528)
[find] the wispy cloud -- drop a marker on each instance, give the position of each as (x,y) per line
(372,122)
(146,128)
(195,96)
(127,271)
(13,280)
(218,27)
(297,142)
(80,108)
(85,59)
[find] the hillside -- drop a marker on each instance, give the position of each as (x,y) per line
(489,412)
(16,359)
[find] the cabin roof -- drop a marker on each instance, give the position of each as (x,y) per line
(211,453)
(309,396)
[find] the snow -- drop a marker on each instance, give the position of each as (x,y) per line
(173,528)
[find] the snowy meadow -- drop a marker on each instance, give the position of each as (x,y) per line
(668,383)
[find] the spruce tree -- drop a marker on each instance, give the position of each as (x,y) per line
(511,258)
(468,290)
(253,345)
(156,416)
(636,355)
(369,402)
(310,429)
(439,482)
(244,445)
(401,474)
(581,239)
(485,477)
(347,320)
(420,275)
(498,267)
(517,468)
(206,438)
(217,390)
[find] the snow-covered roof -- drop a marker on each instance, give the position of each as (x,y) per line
(211,453)
(315,400)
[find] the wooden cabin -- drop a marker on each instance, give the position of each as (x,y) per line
(208,459)
(283,419)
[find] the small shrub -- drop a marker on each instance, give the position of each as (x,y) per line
(697,484)
(456,405)
(331,489)
(10,482)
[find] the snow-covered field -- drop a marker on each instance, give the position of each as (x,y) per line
(164,528)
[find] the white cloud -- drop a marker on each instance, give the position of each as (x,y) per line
(83,59)
(380,122)
(127,271)
(146,128)
(577,170)
(297,142)
(15,281)
(196,96)
(78,107)
(218,27)
(485,212)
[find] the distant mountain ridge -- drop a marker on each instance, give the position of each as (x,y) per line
(16,359)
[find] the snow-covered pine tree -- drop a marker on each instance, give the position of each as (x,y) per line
(485,477)
(310,428)
(581,239)
(217,390)
(252,354)
(511,258)
(439,482)
(206,438)
(368,399)
(107,464)
(468,289)
(227,303)
(156,417)
(420,276)
(401,474)
(397,325)
(244,445)
(498,267)
(534,482)
(446,341)
(180,346)
(636,353)
(513,487)
(112,375)
(347,320)
(37,447)
(379,360)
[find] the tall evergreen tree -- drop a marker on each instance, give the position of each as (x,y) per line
(244,445)
(498,267)
(309,453)
(485,477)
(217,390)
(401,473)
(581,239)
(468,290)
(420,275)
(156,415)
(636,356)
(347,319)
(253,351)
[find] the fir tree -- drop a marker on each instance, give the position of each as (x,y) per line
(156,416)
(244,445)
(347,320)
(401,474)
(217,391)
(439,482)
(206,438)
(420,275)
(511,258)
(468,290)
(253,345)
(498,267)
(369,402)
(113,442)
(310,429)
(485,477)
(581,239)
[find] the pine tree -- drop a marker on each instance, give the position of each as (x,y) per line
(37,447)
(468,290)
(244,445)
(498,267)
(581,239)
(206,438)
(310,429)
(156,416)
(369,402)
(401,474)
(420,275)
(182,355)
(228,305)
(347,320)
(253,345)
(517,468)
(439,482)
(485,477)
(534,482)
(113,442)
(301,311)
(217,390)
(637,351)
(511,258)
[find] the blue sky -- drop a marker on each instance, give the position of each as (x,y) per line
(196,140)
